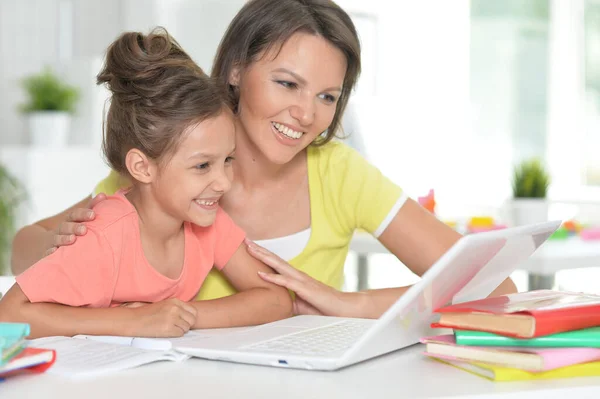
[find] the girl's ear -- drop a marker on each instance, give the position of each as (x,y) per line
(234,76)
(140,167)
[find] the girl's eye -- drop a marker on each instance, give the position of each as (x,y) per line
(202,166)
(229,159)
(287,84)
(329,99)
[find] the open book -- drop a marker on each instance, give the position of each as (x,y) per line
(88,356)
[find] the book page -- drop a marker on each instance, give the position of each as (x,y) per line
(159,344)
(165,344)
(80,358)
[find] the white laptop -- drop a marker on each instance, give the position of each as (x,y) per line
(470,270)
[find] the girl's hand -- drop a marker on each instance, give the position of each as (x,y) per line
(312,296)
(66,233)
(164,319)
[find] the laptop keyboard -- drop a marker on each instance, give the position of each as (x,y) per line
(332,338)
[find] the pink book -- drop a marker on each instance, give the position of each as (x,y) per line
(530,359)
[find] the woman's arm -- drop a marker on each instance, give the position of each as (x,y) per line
(33,242)
(419,239)
(257,301)
(171,318)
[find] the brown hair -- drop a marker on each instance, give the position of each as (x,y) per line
(157,93)
(262,24)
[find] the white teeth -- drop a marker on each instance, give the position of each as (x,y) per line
(287,131)
(206,203)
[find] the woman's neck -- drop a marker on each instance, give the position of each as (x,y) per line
(155,224)
(252,168)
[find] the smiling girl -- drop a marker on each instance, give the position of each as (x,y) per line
(170,132)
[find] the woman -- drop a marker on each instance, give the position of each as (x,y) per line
(290,66)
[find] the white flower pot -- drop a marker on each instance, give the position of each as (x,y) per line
(49,128)
(529,211)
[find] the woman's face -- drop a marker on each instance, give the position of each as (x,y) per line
(289,97)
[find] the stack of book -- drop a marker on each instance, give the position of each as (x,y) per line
(532,335)
(16,357)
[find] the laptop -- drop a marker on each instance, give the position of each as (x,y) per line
(470,270)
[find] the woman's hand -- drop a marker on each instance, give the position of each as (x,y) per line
(66,233)
(312,296)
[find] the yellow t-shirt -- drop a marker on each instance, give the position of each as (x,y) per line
(346,193)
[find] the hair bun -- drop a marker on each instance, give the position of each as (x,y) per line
(135,62)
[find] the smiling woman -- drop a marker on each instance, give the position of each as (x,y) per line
(289,67)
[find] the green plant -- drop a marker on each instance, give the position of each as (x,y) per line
(11,194)
(530,180)
(47,92)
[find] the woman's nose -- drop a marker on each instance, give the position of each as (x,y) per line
(303,111)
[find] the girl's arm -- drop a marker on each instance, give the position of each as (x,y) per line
(256,302)
(419,239)
(171,318)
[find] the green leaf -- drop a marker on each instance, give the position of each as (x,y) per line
(530,180)
(11,195)
(47,92)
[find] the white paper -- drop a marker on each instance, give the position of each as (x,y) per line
(85,358)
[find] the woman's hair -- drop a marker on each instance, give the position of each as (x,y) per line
(157,93)
(263,24)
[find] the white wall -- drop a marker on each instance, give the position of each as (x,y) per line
(72,36)
(34,33)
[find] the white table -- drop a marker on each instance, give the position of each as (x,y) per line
(551,257)
(403,374)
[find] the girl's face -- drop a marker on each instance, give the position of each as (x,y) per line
(193,181)
(289,96)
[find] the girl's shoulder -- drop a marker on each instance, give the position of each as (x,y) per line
(114,209)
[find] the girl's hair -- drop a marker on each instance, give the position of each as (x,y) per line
(157,93)
(263,24)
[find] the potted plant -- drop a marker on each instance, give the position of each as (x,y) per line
(51,102)
(530,186)
(11,194)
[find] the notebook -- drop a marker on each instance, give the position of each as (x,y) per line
(525,314)
(497,373)
(12,337)
(85,356)
(530,359)
(587,338)
(28,360)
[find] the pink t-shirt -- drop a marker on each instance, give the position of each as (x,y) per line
(107,266)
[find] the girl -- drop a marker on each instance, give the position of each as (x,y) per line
(290,66)
(170,132)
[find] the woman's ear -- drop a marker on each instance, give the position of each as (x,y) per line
(140,167)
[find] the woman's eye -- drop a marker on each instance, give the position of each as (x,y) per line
(202,166)
(287,84)
(229,159)
(328,98)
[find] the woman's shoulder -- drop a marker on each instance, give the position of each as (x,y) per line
(336,157)
(111,184)
(333,152)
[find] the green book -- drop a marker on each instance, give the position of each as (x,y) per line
(11,330)
(587,338)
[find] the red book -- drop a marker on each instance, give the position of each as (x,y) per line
(29,360)
(524,315)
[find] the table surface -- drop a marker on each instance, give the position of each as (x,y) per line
(554,255)
(404,373)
